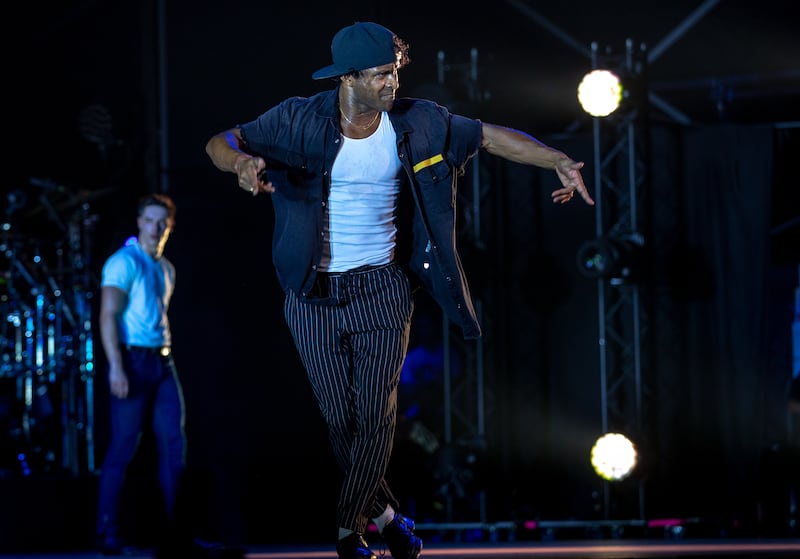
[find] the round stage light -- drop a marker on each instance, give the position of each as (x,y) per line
(600,93)
(613,457)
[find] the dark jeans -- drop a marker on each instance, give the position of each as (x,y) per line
(155,400)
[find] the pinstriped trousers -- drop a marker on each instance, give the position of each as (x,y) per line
(352,342)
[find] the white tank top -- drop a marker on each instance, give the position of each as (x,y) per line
(360,226)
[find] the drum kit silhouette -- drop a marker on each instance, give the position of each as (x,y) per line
(46,340)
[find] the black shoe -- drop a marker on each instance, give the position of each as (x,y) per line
(400,538)
(354,547)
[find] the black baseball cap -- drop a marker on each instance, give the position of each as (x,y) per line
(357,47)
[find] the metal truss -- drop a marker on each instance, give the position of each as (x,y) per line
(620,176)
(465,396)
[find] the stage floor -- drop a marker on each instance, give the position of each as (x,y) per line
(719,549)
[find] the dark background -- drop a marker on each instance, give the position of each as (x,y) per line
(108,101)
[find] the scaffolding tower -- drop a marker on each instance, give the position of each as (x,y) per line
(467,402)
(620,176)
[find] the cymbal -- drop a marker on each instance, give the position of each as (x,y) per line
(74,199)
(83,196)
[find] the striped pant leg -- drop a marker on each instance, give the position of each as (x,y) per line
(326,359)
(353,354)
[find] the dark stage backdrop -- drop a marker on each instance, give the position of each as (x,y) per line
(719,403)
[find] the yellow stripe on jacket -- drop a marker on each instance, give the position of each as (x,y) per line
(428,162)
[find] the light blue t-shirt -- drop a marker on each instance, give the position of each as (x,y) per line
(149,284)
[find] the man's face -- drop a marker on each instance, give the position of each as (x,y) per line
(376,87)
(155,226)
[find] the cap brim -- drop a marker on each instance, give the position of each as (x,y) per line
(327,72)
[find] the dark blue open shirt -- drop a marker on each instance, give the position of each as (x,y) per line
(299,139)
